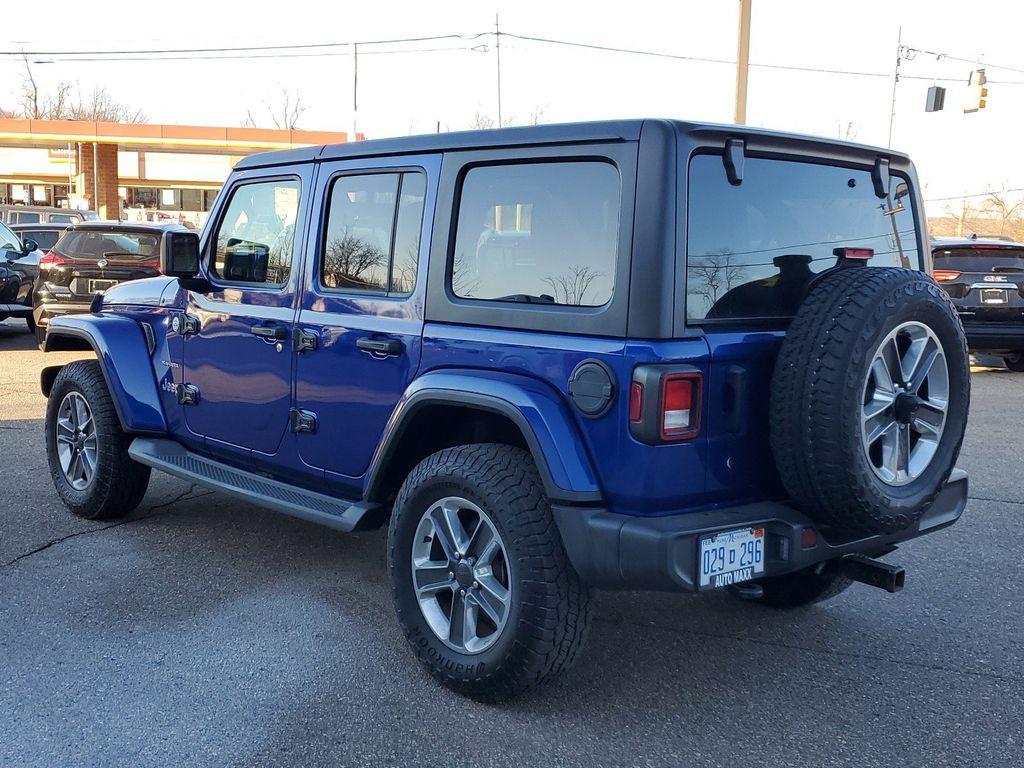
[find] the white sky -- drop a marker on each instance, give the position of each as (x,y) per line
(956,153)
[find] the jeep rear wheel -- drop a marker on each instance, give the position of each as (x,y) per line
(869,399)
(483,588)
(86,448)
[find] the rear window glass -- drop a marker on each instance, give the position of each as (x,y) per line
(751,249)
(542,233)
(63,218)
(97,244)
(23,217)
(979,258)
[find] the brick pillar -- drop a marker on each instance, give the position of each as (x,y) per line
(100,189)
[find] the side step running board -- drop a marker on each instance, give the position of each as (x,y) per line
(174,459)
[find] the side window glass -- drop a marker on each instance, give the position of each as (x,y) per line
(359,225)
(538,233)
(407,233)
(373,232)
(255,240)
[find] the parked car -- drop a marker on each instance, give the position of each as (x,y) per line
(45,236)
(19,265)
(43,214)
(985,279)
(630,355)
(90,258)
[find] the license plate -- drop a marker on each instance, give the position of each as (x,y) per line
(99,286)
(730,557)
(994,296)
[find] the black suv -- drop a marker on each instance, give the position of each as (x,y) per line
(985,279)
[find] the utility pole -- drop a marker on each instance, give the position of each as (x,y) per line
(742,63)
(497,48)
(895,80)
(355,91)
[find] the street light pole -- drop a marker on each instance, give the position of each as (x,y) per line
(742,63)
(355,91)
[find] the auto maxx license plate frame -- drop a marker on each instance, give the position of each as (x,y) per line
(730,557)
(995,296)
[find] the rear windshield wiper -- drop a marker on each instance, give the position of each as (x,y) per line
(528,298)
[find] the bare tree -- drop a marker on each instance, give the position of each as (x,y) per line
(483,120)
(283,111)
(713,275)
(998,214)
(571,288)
(349,261)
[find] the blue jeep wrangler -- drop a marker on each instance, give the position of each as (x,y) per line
(625,355)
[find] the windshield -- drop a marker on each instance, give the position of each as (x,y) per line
(8,240)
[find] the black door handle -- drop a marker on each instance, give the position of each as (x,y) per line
(272,332)
(380,346)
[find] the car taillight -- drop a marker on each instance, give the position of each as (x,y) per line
(945,275)
(680,412)
(50,260)
(665,402)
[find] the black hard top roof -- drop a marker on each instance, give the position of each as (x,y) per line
(561,133)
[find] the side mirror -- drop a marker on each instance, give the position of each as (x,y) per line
(27,246)
(179,254)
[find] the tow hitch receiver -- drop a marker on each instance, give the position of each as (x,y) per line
(872,572)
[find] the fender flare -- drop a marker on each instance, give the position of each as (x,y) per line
(122,350)
(539,413)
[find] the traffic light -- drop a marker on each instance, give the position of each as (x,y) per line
(978,91)
(936,99)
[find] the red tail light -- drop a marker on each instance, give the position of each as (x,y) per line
(680,406)
(50,260)
(945,275)
(665,403)
(854,253)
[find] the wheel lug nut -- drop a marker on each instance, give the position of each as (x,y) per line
(450,575)
(476,585)
(462,592)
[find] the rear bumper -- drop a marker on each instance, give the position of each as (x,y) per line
(984,337)
(613,551)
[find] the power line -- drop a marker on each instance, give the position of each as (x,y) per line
(256,57)
(973,194)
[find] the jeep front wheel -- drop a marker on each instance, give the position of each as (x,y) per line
(483,588)
(86,448)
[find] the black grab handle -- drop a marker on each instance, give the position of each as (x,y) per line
(274,332)
(380,346)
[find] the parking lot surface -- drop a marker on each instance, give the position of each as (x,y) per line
(203,631)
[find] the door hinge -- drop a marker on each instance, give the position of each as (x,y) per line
(185,324)
(187,394)
(303,421)
(304,339)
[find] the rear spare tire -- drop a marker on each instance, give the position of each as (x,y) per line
(869,399)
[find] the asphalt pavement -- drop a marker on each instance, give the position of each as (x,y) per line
(203,631)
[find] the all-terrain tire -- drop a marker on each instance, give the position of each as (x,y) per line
(118,483)
(549,609)
(818,389)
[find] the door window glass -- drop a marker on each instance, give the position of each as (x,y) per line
(373,232)
(255,239)
(752,249)
(539,233)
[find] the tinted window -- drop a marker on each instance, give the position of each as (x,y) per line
(752,248)
(45,238)
(980,259)
(542,232)
(255,238)
(63,218)
(98,243)
(25,217)
(373,232)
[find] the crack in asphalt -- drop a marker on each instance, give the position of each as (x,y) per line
(150,512)
(821,651)
(999,501)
